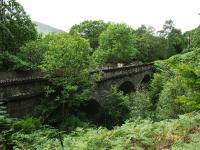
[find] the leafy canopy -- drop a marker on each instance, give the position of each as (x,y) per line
(116,44)
(90,30)
(66,52)
(175,40)
(33,52)
(15,25)
(116,107)
(67,63)
(151,47)
(196,37)
(176,86)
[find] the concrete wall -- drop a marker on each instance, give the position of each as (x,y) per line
(134,76)
(21,91)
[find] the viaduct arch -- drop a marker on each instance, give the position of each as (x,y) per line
(21,92)
(126,79)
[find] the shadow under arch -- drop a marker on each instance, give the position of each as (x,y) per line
(127,87)
(93,110)
(91,107)
(145,81)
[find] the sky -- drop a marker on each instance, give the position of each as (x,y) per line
(63,14)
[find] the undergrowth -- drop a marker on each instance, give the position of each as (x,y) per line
(139,134)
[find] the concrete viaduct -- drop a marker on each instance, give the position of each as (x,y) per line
(22,91)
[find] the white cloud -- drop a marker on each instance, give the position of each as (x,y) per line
(65,13)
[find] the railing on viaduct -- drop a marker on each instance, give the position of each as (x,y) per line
(21,91)
(120,72)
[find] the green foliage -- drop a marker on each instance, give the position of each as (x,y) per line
(71,122)
(141,134)
(27,125)
(27,134)
(138,134)
(167,106)
(116,107)
(156,86)
(16,29)
(116,44)
(4,120)
(12,62)
(151,47)
(176,85)
(5,127)
(15,25)
(196,38)
(64,50)
(68,60)
(90,30)
(168,26)
(190,78)
(188,50)
(44,138)
(176,41)
(33,52)
(68,57)
(67,64)
(193,143)
(140,105)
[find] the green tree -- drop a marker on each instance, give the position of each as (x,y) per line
(151,47)
(190,78)
(168,26)
(117,44)
(116,107)
(33,52)
(196,37)
(16,27)
(168,106)
(175,88)
(90,30)
(68,64)
(176,40)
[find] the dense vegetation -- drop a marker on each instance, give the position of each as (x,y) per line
(164,115)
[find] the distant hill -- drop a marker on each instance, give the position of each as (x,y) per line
(45,29)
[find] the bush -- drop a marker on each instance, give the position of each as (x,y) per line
(189,78)
(137,134)
(67,64)
(140,105)
(116,107)
(6,129)
(16,26)
(117,44)
(175,86)
(33,52)
(168,107)
(27,125)
(44,138)
(12,62)
(71,122)
(140,134)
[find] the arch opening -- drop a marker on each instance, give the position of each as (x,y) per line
(127,87)
(145,81)
(91,107)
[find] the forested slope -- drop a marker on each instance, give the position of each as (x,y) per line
(164,115)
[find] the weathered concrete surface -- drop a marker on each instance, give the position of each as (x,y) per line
(136,76)
(21,91)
